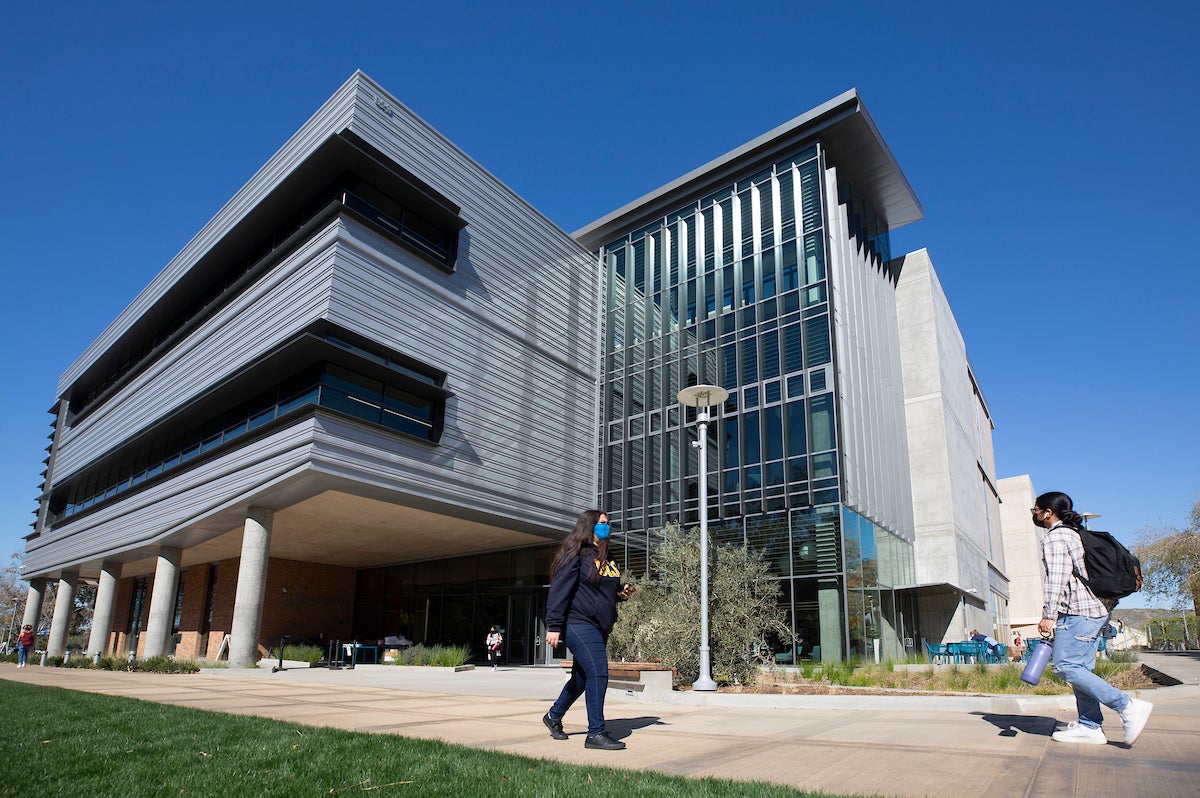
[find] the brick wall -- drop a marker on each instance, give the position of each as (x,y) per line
(308,601)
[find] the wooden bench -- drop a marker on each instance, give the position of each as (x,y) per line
(635,676)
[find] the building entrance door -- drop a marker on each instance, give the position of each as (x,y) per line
(519,640)
(525,639)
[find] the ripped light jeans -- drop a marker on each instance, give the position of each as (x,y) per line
(1075,658)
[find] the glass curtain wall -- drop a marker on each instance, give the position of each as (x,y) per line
(452,601)
(732,290)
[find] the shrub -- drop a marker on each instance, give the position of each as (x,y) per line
(661,623)
(78,660)
(437,656)
(969,678)
(449,656)
(302,653)
(120,663)
(166,665)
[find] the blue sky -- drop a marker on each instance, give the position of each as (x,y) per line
(1054,148)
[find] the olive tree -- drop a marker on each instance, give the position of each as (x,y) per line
(1170,558)
(661,623)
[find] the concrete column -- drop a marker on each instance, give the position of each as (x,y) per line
(162,602)
(64,604)
(33,602)
(106,602)
(251,587)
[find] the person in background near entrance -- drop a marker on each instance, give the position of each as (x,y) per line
(585,587)
(1075,615)
(25,642)
(495,646)
(1018,647)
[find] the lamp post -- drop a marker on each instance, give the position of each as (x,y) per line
(702,397)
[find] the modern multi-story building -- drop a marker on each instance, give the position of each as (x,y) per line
(768,272)
(374,355)
(376,388)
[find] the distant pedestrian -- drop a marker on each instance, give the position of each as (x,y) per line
(25,642)
(495,646)
(1075,616)
(585,587)
(1018,646)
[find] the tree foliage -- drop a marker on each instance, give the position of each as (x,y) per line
(12,597)
(14,592)
(1170,558)
(661,623)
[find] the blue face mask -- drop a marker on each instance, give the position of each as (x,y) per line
(602,530)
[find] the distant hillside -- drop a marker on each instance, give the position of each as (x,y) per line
(1138,618)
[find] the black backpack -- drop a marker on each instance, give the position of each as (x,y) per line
(1113,572)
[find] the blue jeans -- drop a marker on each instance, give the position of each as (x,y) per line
(589,675)
(22,654)
(1075,658)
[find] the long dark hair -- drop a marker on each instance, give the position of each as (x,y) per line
(1060,504)
(581,535)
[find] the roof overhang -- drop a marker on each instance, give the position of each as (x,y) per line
(935,589)
(845,130)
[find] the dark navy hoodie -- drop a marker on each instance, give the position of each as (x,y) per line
(574,599)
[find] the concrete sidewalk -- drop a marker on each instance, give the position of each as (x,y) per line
(872,745)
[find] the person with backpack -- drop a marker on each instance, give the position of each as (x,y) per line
(1075,614)
(25,643)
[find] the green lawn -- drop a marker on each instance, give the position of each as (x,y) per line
(63,742)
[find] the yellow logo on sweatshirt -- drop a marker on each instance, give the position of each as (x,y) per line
(608,570)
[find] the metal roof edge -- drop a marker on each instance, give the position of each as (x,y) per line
(844,107)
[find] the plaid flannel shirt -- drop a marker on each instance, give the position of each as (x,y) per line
(1062,591)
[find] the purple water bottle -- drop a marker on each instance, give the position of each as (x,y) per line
(1038,660)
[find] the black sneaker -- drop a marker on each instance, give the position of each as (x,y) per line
(604,742)
(555,727)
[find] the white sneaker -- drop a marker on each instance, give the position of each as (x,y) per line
(1078,733)
(1134,718)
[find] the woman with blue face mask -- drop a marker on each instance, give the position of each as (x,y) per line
(585,587)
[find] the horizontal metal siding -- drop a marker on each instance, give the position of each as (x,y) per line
(163,508)
(523,415)
(369,456)
(515,327)
(285,300)
(514,257)
(333,116)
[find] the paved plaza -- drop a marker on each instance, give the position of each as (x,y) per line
(873,745)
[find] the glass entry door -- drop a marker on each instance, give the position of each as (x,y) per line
(525,639)
(520,637)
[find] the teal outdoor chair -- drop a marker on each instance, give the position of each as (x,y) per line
(938,652)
